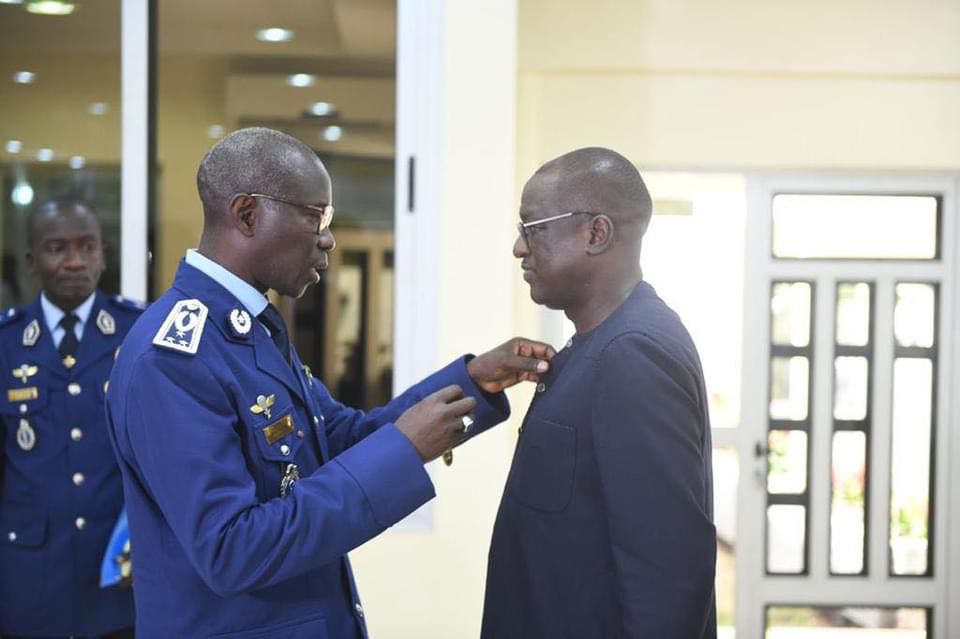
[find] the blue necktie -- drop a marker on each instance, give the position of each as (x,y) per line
(69,343)
(271,318)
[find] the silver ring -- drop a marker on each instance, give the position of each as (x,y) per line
(467,422)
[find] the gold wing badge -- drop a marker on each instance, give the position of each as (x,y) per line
(24,372)
(263,405)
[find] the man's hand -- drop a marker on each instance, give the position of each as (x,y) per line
(519,360)
(435,424)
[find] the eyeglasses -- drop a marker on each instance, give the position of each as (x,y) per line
(523,226)
(326,212)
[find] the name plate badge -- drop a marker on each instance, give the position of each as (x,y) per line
(278,429)
(22,394)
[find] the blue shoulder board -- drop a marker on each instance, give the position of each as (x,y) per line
(126,303)
(10,315)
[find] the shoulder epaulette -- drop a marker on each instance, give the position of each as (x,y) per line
(182,329)
(10,315)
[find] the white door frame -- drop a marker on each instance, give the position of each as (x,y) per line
(135,164)
(754,589)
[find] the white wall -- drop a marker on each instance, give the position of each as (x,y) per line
(430,584)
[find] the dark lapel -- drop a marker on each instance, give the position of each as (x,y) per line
(271,362)
(44,353)
(311,405)
(94,344)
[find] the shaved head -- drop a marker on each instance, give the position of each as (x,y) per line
(600,180)
(253,160)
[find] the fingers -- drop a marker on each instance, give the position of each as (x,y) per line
(448,394)
(530,348)
(461,407)
(522,364)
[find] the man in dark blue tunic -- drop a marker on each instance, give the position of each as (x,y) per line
(605,527)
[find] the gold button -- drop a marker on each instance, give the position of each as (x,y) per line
(76,434)
(541,387)
(78,479)
(74,389)
(12,536)
(284,449)
(80,523)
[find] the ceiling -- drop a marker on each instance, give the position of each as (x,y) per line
(348,44)
(349,29)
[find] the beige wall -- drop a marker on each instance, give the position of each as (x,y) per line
(747,84)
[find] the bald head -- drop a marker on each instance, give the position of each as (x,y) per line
(600,180)
(254,160)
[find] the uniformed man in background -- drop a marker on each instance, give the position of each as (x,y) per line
(60,488)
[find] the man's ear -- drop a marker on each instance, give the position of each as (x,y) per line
(601,235)
(243,213)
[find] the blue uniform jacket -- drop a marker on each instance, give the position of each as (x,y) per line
(223,545)
(605,525)
(61,488)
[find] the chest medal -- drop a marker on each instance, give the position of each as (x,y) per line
(26,437)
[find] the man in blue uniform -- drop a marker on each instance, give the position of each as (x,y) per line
(605,526)
(246,482)
(61,488)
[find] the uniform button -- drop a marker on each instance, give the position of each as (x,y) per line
(316,420)
(300,434)
(541,387)
(76,434)
(358,608)
(12,536)
(78,479)
(80,523)
(74,389)
(23,409)
(569,343)
(284,449)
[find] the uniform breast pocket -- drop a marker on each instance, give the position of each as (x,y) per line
(278,442)
(24,415)
(546,461)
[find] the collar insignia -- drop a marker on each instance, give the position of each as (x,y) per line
(31,333)
(106,323)
(240,322)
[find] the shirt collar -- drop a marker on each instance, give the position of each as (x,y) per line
(52,314)
(251,298)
